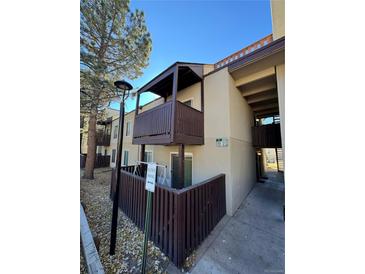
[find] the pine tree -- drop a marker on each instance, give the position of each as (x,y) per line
(114,44)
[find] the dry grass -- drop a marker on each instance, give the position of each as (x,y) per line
(128,256)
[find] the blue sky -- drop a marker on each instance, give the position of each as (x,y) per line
(198,31)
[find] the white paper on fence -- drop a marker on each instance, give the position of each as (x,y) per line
(151,177)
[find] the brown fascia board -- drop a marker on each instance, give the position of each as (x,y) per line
(167,72)
(263,52)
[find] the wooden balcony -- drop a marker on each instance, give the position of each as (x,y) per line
(267,136)
(169,124)
(102,138)
(100,161)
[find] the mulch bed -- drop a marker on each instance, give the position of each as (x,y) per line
(94,194)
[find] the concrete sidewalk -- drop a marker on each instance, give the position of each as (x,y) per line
(252,241)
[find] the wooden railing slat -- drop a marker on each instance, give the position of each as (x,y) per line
(165,233)
(181,219)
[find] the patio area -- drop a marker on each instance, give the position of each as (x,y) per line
(252,241)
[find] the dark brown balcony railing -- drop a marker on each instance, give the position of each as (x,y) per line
(266,136)
(100,161)
(189,126)
(102,138)
(155,126)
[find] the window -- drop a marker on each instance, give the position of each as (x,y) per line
(188,103)
(125,160)
(113,155)
(105,152)
(108,129)
(188,170)
(128,129)
(115,132)
(148,156)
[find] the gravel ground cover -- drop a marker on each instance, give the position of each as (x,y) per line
(94,194)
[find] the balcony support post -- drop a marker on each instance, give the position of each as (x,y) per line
(143,149)
(174,96)
(137,104)
(181,166)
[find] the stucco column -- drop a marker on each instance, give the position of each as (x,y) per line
(280,78)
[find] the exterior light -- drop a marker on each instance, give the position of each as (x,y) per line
(123,85)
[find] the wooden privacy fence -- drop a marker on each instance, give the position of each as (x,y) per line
(266,136)
(181,219)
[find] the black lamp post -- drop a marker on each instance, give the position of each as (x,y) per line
(125,87)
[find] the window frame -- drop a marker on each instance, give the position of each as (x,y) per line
(148,151)
(125,157)
(128,127)
(115,134)
(187,100)
(189,154)
(114,152)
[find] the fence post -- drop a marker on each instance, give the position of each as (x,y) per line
(146,231)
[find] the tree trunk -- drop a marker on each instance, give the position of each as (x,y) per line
(91,147)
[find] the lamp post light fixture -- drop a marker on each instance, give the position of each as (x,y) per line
(125,87)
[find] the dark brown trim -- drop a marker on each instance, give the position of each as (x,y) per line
(169,71)
(157,79)
(261,53)
(152,140)
(257,55)
(174,97)
(202,95)
(137,104)
(143,149)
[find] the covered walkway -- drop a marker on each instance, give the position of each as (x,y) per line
(252,241)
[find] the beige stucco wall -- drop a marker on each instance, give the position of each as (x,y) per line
(226,115)
(278,18)
(242,153)
(160,154)
(109,112)
(133,150)
(234,122)
(208,160)
(189,93)
(280,77)
(152,104)
(208,68)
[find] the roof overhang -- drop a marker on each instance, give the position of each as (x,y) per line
(255,76)
(105,122)
(270,49)
(188,74)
